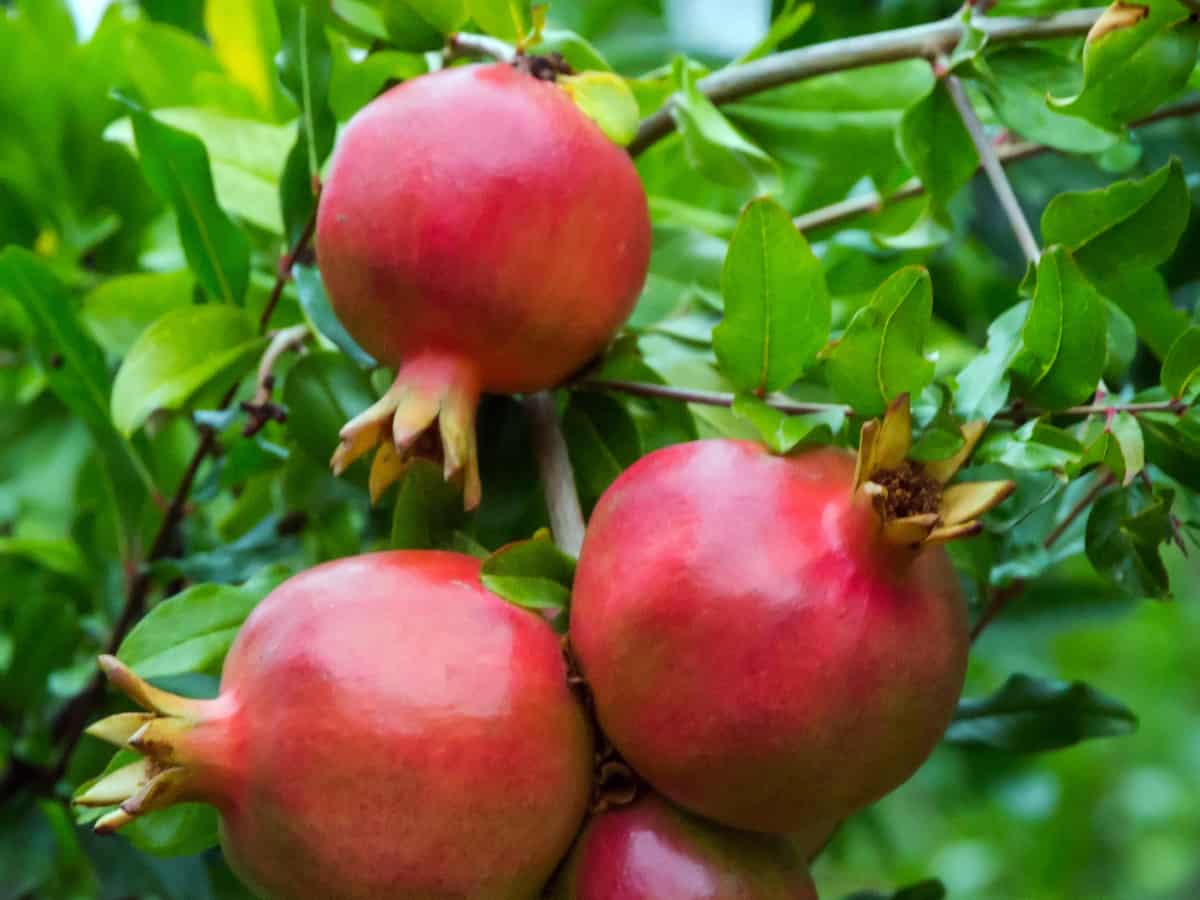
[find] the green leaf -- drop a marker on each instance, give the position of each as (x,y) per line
(1182,364)
(1021,76)
(176,165)
(420,25)
(1124,532)
(777,308)
(714,148)
(56,555)
(1063,347)
(1121,343)
(1118,445)
(606,99)
(1033,715)
(181,830)
(934,141)
(1142,295)
(1034,446)
(602,439)
(245,38)
(323,391)
(428,509)
(791,18)
(1173,445)
(315,303)
(305,69)
(121,308)
(192,631)
(510,20)
(579,53)
(1128,224)
(246,158)
(983,384)
(533,574)
(180,353)
(1132,65)
(783,433)
(879,357)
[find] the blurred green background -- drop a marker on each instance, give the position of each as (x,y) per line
(1115,818)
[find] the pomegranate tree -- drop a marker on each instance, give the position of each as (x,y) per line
(480,233)
(775,642)
(651,850)
(386,728)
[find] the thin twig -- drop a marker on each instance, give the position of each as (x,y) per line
(284,272)
(1008,152)
(797,407)
(918,42)
(558,480)
(261,409)
(464,44)
(995,171)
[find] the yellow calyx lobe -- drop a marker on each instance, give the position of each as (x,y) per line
(911,499)
(427,390)
(161,777)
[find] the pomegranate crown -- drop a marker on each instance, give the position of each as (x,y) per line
(911,499)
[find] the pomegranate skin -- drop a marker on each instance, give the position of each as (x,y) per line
(651,850)
(477,213)
(755,650)
(393,730)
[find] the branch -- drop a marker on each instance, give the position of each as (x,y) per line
(261,409)
(919,42)
(284,273)
(558,481)
(797,407)
(1008,152)
(463,44)
(995,171)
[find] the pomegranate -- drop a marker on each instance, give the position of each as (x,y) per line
(478,231)
(386,728)
(775,642)
(653,851)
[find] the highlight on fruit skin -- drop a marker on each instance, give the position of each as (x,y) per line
(787,639)
(650,850)
(497,247)
(386,729)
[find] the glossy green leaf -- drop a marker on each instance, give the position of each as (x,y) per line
(783,433)
(1173,445)
(533,574)
(714,148)
(180,353)
(1142,295)
(880,356)
(934,141)
(121,308)
(1182,365)
(428,509)
(984,384)
(1117,445)
(323,391)
(192,631)
(510,20)
(1125,530)
(1128,224)
(246,158)
(1121,341)
(1034,446)
(176,165)
(777,308)
(1138,56)
(602,439)
(1034,715)
(305,69)
(580,53)
(1063,347)
(419,25)
(315,303)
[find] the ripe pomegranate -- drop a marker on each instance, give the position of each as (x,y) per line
(386,728)
(651,850)
(478,231)
(775,642)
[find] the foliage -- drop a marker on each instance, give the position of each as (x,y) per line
(157,175)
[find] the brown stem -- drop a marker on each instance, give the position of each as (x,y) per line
(464,44)
(558,480)
(261,409)
(284,274)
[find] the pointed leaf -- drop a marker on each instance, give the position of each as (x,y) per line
(777,308)
(534,574)
(983,384)
(783,433)
(510,20)
(880,356)
(1182,365)
(1125,530)
(935,143)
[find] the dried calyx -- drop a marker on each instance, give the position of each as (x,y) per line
(911,499)
(162,776)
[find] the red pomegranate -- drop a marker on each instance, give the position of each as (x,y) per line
(387,729)
(652,851)
(478,231)
(775,642)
